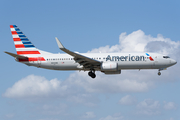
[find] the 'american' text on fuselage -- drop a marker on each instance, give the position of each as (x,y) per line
(125,58)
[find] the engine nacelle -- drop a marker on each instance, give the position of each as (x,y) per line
(109,66)
(112,72)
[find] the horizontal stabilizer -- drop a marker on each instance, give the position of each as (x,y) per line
(15,55)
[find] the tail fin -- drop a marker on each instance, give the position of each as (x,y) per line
(22,44)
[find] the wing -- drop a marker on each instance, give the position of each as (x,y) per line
(87,62)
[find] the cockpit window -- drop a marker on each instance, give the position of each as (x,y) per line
(166,57)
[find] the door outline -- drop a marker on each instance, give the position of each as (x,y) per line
(39,61)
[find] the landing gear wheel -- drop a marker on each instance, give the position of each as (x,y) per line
(91,74)
(159,73)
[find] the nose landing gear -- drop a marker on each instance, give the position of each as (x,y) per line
(92,73)
(159,73)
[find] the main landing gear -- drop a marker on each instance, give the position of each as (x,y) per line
(92,73)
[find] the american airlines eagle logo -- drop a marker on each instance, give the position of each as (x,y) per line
(150,57)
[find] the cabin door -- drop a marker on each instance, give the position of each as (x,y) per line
(39,61)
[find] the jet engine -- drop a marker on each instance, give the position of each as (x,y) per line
(110,68)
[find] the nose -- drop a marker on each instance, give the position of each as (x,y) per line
(173,62)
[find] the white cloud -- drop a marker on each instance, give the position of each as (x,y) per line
(169,105)
(10,115)
(49,119)
(35,86)
(73,88)
(171,119)
(134,42)
(109,117)
(137,41)
(86,99)
(57,109)
(116,116)
(148,107)
(127,100)
(89,115)
(108,84)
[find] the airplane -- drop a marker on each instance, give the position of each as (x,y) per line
(108,63)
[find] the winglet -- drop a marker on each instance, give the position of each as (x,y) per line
(59,43)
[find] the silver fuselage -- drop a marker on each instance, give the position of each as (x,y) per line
(124,61)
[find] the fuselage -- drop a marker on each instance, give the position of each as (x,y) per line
(124,61)
(108,63)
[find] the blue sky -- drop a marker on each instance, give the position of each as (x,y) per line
(91,26)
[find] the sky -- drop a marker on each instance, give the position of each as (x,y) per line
(91,26)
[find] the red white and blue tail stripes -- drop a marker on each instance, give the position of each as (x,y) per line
(24,46)
(22,43)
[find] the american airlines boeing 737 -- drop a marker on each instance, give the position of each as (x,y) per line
(108,63)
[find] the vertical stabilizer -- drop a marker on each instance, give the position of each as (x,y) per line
(24,47)
(22,44)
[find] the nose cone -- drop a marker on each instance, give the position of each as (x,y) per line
(173,62)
